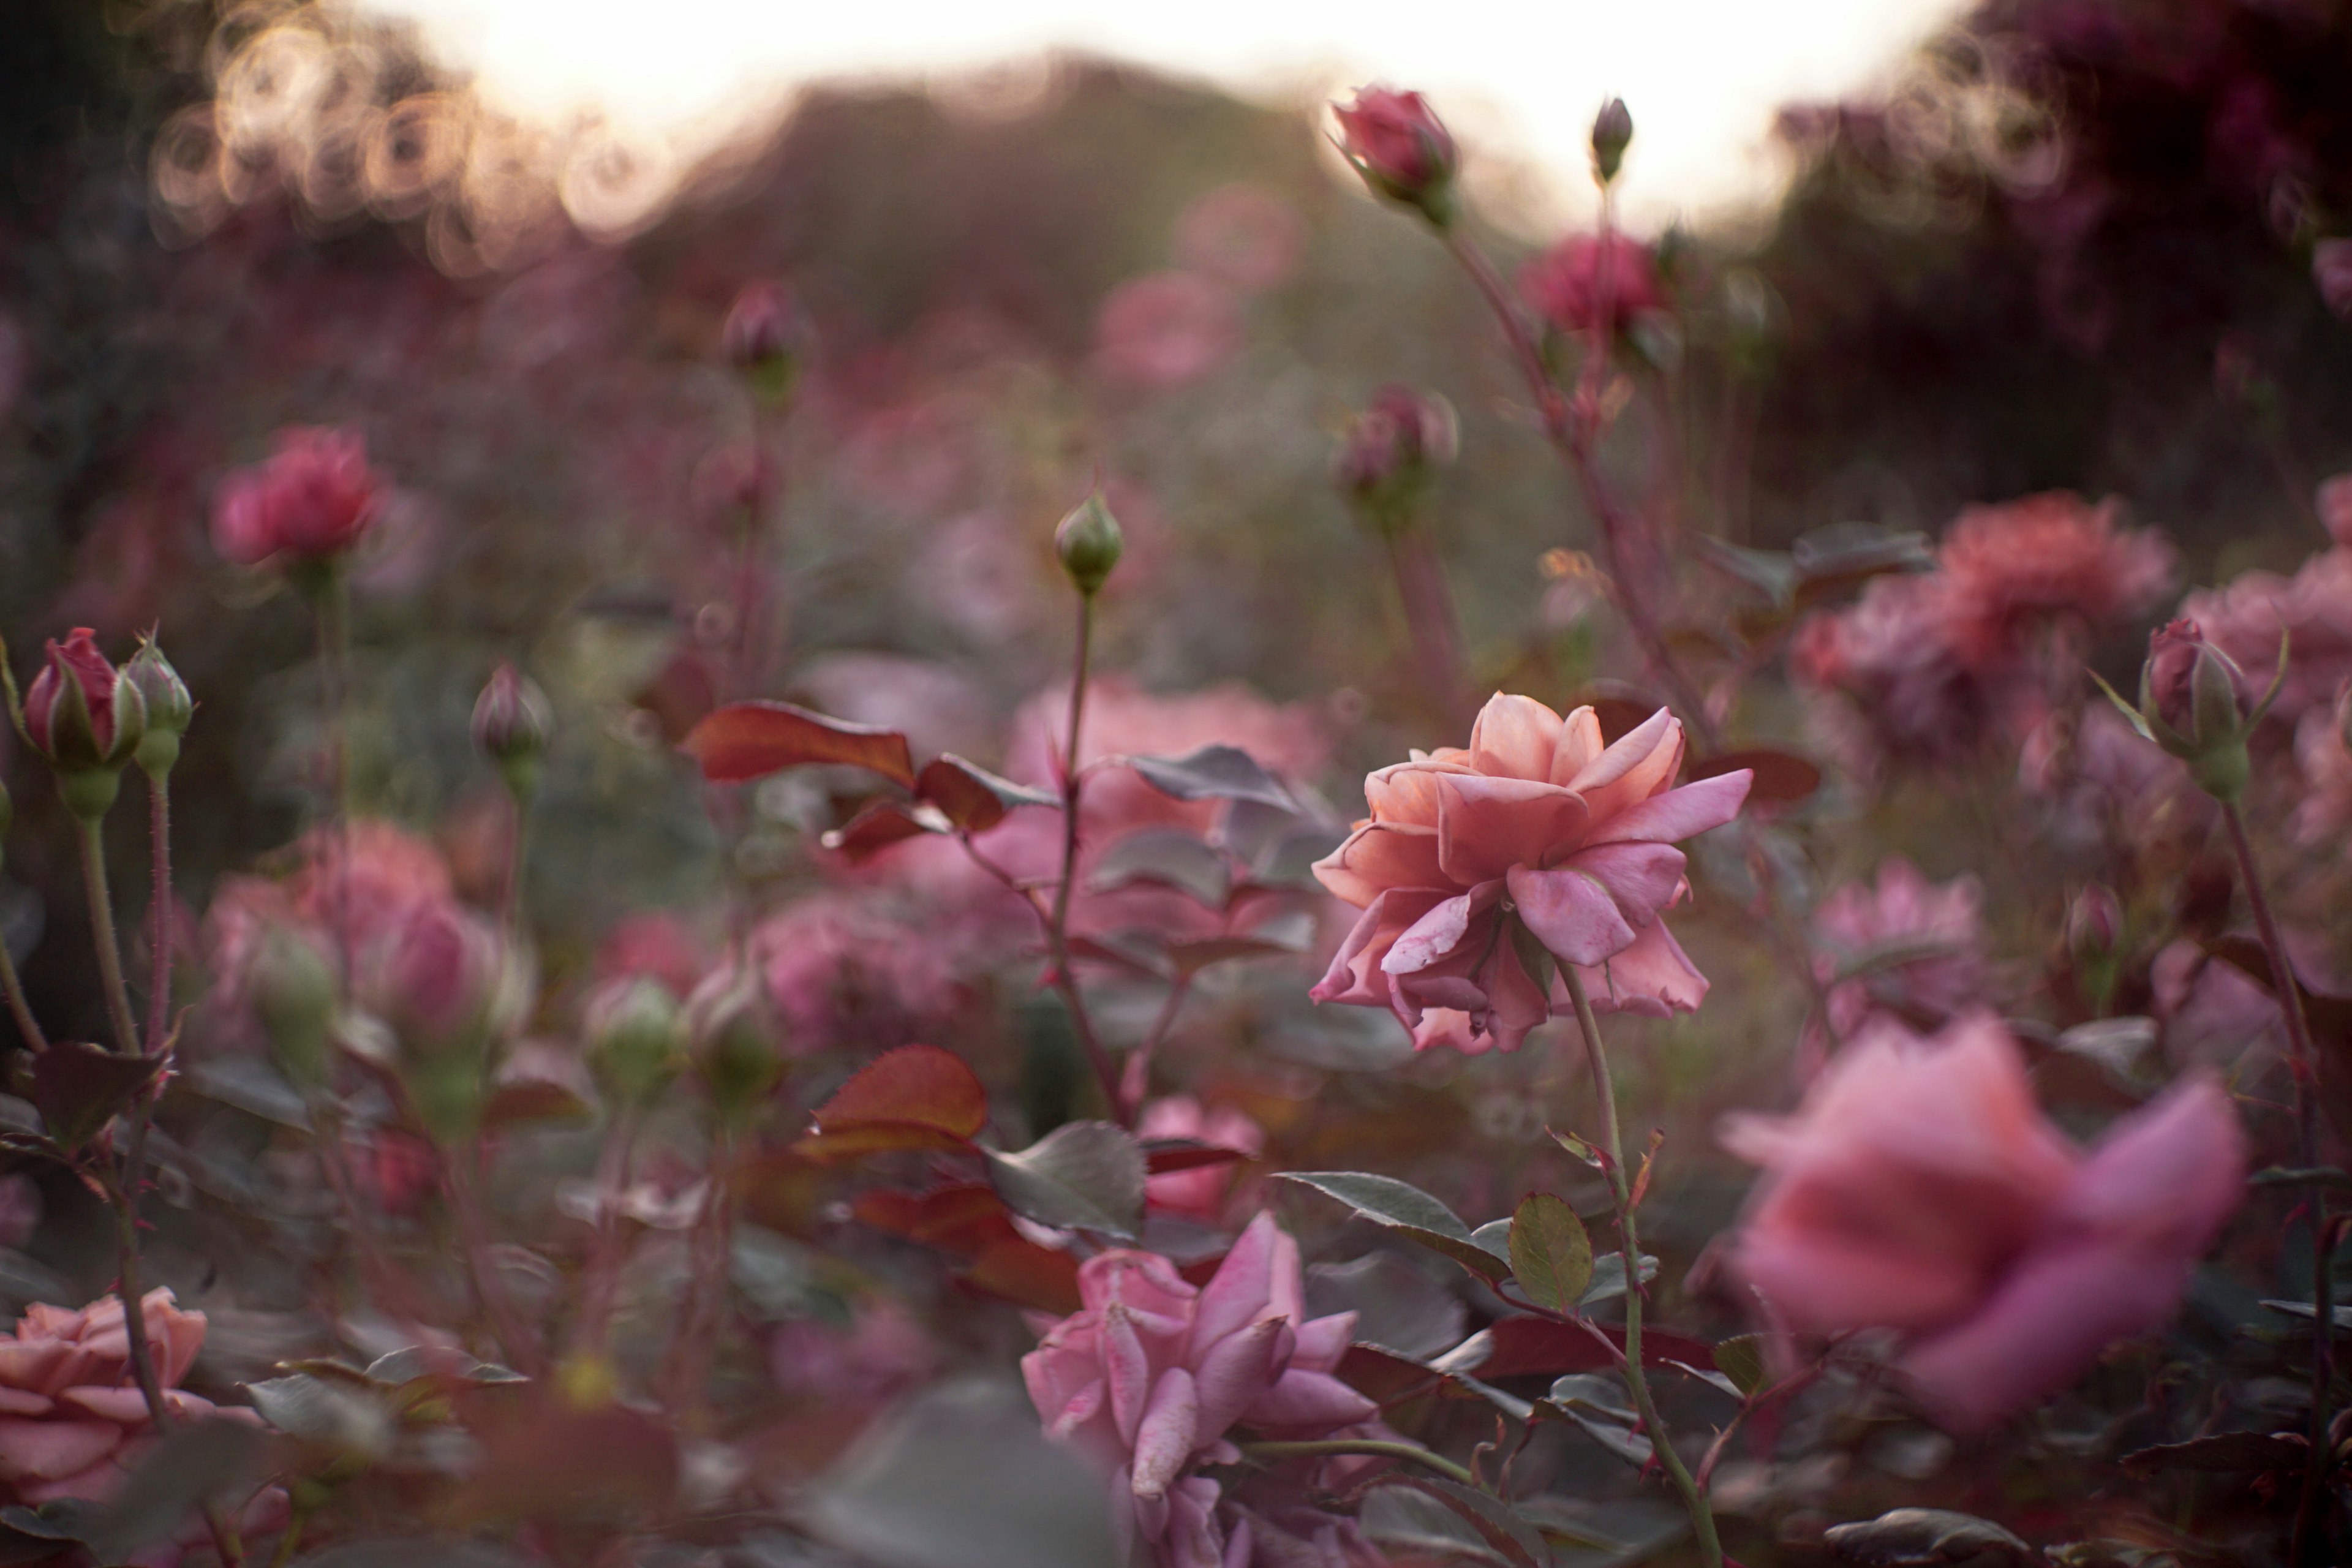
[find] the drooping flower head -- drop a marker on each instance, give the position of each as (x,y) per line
(1149,1375)
(1538,834)
(1919,1188)
(312,499)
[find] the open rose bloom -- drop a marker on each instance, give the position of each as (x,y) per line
(1537,831)
(1153,1374)
(1919,1188)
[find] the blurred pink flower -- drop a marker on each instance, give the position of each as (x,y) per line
(2246,616)
(1894,654)
(1536,825)
(313,499)
(843,969)
(657,944)
(72,1420)
(1919,1188)
(1149,1375)
(1902,912)
(1166,329)
(2325,808)
(2331,269)
(882,1352)
(1399,435)
(2019,562)
(1243,234)
(2333,502)
(1199,1194)
(1566,284)
(1398,144)
(20,1209)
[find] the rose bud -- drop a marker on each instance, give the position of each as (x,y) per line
(2095,921)
(170,707)
(636,1035)
(2188,705)
(766,337)
(1390,450)
(1401,148)
(86,720)
(306,506)
(292,983)
(1089,542)
(732,1040)
(1612,132)
(512,723)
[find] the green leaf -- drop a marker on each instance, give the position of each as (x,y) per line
(1609,1278)
(1212,773)
(1551,1254)
(1082,1175)
(1412,1213)
(1741,1359)
(1167,858)
(190,1464)
(1517,1541)
(349,1422)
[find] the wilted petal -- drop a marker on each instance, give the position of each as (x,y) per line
(1515,737)
(1355,976)
(1242,1286)
(1127,1369)
(1305,1402)
(1487,825)
(1323,1341)
(1163,1441)
(1652,978)
(1235,1373)
(1444,930)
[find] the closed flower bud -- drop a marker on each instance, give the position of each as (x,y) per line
(1612,132)
(84,719)
(292,984)
(170,707)
(1089,542)
(1390,450)
(1401,148)
(635,1033)
(2188,705)
(512,722)
(2095,921)
(766,337)
(733,1040)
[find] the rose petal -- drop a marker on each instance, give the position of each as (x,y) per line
(1580,742)
(44,1450)
(1380,856)
(1677,814)
(1644,761)
(1163,1441)
(1487,825)
(1571,913)
(1515,737)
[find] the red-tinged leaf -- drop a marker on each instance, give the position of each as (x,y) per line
(922,1085)
(969,795)
(782,1189)
(751,740)
(863,1139)
(1385,1377)
(1166,1156)
(1641,1177)
(556,1462)
(1781,777)
(1016,1269)
(961,1217)
(2286,1452)
(80,1087)
(1529,1347)
(882,824)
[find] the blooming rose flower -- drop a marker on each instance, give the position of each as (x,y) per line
(1902,908)
(312,499)
(1398,144)
(841,965)
(1151,1372)
(1198,1194)
(1536,827)
(1565,285)
(2042,556)
(1919,1188)
(1896,653)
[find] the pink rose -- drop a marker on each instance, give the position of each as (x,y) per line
(1567,284)
(312,499)
(1149,1375)
(2047,555)
(1398,144)
(1197,1194)
(1902,909)
(1919,1188)
(1537,826)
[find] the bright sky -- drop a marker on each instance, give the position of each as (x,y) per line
(1702,77)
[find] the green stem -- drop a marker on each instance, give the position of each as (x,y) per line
(1410,1453)
(1629,1241)
(2309,1543)
(1057,925)
(159,942)
(18,1008)
(101,925)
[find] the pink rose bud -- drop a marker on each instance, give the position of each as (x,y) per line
(84,719)
(1612,132)
(1400,148)
(766,337)
(311,501)
(2188,705)
(2095,921)
(170,706)
(1390,450)
(512,722)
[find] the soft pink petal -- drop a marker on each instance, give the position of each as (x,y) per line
(1652,978)
(45,1450)
(1163,1441)
(1644,761)
(1573,912)
(1242,1286)
(1580,742)
(2167,1176)
(1309,1402)
(1323,1341)
(1380,856)
(1355,976)
(1127,1369)
(1444,930)
(1676,814)
(1235,1373)
(1487,825)
(1514,737)
(126,1406)
(1406,793)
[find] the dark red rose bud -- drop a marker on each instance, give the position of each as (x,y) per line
(1612,132)
(1401,148)
(84,719)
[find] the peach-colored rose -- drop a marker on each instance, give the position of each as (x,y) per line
(1537,826)
(1919,1188)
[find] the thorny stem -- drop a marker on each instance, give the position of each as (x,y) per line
(101,925)
(1057,923)
(1629,1241)
(1339,1447)
(158,943)
(18,1008)
(2308,1545)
